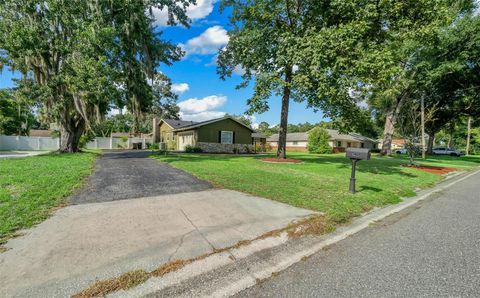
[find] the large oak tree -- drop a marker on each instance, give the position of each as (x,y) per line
(86,54)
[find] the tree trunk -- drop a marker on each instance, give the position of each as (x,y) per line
(431,141)
(72,128)
(389,127)
(282,133)
(469,130)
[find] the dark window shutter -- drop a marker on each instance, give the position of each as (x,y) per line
(220,136)
(233,138)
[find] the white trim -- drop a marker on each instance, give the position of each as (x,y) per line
(160,123)
(227,132)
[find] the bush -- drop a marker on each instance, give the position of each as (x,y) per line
(191,149)
(318,141)
(154,146)
(85,139)
(375,150)
(172,145)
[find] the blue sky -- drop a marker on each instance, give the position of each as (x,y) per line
(202,95)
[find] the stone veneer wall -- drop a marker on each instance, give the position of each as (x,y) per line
(225,148)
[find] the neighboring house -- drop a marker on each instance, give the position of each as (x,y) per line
(298,141)
(259,142)
(222,135)
(40,133)
(396,144)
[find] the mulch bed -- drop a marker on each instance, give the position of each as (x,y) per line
(280,160)
(432,169)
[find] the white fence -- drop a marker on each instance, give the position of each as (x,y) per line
(117,143)
(28,143)
(48,143)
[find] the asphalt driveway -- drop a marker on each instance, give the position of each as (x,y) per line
(131,174)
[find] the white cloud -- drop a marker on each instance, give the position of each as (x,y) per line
(195,109)
(195,12)
(180,88)
(253,119)
(239,70)
(203,116)
(207,43)
(195,105)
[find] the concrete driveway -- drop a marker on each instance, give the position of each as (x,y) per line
(131,174)
(19,154)
(82,243)
(85,242)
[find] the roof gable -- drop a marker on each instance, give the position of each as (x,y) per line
(199,124)
(174,124)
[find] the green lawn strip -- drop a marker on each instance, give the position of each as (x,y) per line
(30,187)
(461,163)
(320,183)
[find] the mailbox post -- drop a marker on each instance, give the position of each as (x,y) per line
(356,154)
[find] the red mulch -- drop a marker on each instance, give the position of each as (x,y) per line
(434,170)
(280,160)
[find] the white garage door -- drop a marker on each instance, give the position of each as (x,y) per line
(185,140)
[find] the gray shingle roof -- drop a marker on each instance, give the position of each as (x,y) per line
(178,123)
(258,135)
(198,124)
(333,133)
(291,137)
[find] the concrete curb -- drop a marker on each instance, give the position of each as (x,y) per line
(240,268)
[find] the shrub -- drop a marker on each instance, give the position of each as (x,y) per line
(192,149)
(375,150)
(85,139)
(172,145)
(154,146)
(318,141)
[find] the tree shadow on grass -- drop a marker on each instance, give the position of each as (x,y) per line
(369,188)
(378,166)
(203,157)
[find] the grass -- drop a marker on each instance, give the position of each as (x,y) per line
(321,182)
(30,187)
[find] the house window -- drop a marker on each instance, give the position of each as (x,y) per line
(295,143)
(339,143)
(349,145)
(362,145)
(226,137)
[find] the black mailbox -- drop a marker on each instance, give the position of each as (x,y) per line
(358,153)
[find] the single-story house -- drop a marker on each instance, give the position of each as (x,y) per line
(40,133)
(298,141)
(222,135)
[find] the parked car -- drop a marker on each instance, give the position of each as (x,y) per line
(447,151)
(401,151)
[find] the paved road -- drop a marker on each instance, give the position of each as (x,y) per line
(131,174)
(431,250)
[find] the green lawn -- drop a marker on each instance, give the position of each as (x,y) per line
(321,182)
(30,187)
